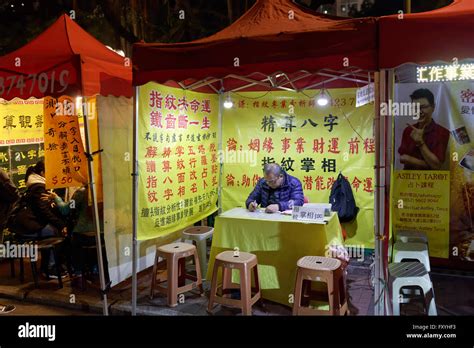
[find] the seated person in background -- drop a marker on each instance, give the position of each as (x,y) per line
(8,196)
(45,220)
(276,191)
(80,220)
(38,219)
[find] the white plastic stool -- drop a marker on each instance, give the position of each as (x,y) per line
(199,234)
(402,274)
(411,237)
(414,251)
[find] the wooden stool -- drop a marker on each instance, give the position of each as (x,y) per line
(175,254)
(199,235)
(322,269)
(244,262)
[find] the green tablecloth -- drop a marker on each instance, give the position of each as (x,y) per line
(278,241)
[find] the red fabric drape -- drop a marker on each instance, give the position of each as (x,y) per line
(274,35)
(426,37)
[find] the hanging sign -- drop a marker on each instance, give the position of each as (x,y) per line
(365,95)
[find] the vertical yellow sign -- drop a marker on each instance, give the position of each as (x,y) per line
(421,203)
(178,162)
(65,161)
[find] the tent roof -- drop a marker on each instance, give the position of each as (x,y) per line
(274,35)
(64,59)
(421,38)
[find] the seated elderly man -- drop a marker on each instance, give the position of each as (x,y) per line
(276,191)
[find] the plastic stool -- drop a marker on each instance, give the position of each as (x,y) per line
(414,251)
(403,274)
(199,234)
(244,262)
(321,269)
(411,237)
(175,254)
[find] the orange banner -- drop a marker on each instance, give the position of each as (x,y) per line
(65,161)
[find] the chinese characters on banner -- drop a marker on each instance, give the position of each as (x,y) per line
(310,142)
(439,205)
(21,121)
(178,162)
(65,161)
(425,199)
(15,160)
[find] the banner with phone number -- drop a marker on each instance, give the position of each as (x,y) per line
(438,202)
(310,142)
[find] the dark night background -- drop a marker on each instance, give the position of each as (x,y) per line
(120,23)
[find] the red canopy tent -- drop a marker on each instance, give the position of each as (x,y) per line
(275,45)
(422,38)
(64,59)
(273,36)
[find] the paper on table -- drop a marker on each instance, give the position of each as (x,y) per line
(263,210)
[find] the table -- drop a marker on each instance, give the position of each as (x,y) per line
(278,241)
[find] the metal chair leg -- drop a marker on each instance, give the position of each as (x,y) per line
(34,273)
(57,265)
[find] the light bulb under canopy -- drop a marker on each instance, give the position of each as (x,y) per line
(228,103)
(322,99)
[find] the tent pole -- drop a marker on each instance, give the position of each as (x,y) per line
(135,200)
(379,201)
(390,76)
(221,156)
(95,210)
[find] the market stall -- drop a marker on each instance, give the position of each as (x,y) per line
(432,177)
(258,83)
(68,68)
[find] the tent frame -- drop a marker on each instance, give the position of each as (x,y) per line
(95,211)
(275,82)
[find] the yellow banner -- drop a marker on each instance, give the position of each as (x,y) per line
(421,203)
(65,161)
(178,164)
(311,142)
(21,121)
(447,125)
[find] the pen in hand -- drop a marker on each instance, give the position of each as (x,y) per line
(253,206)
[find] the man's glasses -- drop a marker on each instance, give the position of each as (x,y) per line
(271,182)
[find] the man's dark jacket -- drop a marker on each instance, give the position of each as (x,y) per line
(290,190)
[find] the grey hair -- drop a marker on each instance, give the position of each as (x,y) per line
(272,168)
